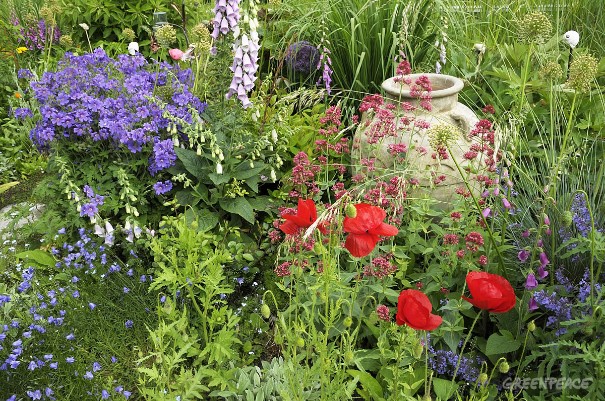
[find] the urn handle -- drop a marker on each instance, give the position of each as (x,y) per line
(465,119)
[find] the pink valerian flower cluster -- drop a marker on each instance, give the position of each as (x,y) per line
(283,269)
(486,135)
(226,18)
(330,126)
(450,239)
(380,267)
(244,67)
(473,241)
(421,89)
(303,174)
(383,313)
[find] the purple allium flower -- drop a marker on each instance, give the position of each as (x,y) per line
(161,187)
(531,282)
(302,57)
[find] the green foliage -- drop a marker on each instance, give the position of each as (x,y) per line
(190,355)
(107,19)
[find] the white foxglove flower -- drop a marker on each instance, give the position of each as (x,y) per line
(219,168)
(106,232)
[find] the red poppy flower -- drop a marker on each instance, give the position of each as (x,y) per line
(414,310)
(490,292)
(305,216)
(365,229)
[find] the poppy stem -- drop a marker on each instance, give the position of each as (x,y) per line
(468,336)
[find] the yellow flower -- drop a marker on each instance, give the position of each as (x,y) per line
(21,50)
(17,95)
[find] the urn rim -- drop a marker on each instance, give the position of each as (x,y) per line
(443,86)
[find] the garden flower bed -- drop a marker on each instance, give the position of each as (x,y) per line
(229,206)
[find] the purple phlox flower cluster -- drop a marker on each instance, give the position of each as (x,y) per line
(91,208)
(226,17)
(124,101)
(244,67)
(21,113)
(302,57)
(161,187)
(163,155)
(25,73)
(35,36)
(325,65)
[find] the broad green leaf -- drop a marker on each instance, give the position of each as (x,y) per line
(192,162)
(239,206)
(40,257)
(501,343)
(368,382)
(444,389)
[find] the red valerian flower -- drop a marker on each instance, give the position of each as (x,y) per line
(365,229)
(414,310)
(490,292)
(305,216)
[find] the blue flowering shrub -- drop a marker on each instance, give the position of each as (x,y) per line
(110,126)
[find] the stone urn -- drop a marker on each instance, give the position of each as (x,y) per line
(410,128)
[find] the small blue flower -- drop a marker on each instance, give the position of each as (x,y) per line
(129,324)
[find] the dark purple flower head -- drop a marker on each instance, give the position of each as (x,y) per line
(302,57)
